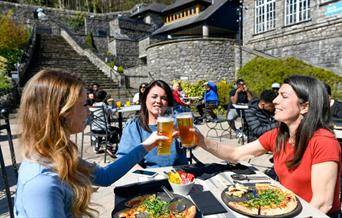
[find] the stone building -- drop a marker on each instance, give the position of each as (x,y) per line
(310,30)
(192,39)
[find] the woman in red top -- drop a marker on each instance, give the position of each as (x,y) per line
(307,155)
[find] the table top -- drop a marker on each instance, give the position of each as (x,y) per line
(131,108)
(215,184)
(240,106)
(338,133)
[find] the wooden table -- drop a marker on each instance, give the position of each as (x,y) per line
(216,185)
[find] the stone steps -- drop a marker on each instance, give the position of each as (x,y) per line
(55,52)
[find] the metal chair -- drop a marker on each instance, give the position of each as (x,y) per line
(100,129)
(6,184)
(4,115)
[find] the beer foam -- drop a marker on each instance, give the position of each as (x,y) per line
(184,115)
(164,119)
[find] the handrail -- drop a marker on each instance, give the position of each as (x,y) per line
(27,54)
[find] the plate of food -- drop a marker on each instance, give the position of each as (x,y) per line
(153,205)
(261,200)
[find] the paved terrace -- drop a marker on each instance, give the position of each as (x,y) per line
(104,195)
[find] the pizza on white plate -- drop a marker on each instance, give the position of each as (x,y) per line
(263,200)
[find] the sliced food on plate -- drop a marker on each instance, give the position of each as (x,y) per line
(267,200)
(153,206)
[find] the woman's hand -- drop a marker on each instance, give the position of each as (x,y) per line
(152,140)
(199,138)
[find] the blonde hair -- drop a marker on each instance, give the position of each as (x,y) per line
(46,101)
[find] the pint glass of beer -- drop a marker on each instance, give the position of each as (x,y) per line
(184,122)
(164,127)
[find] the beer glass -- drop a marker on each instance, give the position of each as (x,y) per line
(184,122)
(118,104)
(164,127)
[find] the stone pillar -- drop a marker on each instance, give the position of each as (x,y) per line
(205,31)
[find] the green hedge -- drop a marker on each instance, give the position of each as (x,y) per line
(260,73)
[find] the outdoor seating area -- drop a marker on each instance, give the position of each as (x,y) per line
(170,108)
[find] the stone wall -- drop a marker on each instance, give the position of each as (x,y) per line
(317,41)
(126,52)
(133,29)
(199,58)
(137,75)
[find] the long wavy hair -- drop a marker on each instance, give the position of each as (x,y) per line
(143,114)
(312,91)
(46,101)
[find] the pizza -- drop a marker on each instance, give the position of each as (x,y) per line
(261,200)
(153,206)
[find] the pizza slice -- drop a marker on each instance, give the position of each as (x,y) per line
(240,206)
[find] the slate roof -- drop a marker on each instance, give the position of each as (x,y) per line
(192,20)
(155,7)
(180,3)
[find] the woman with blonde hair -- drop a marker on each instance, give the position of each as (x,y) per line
(53,181)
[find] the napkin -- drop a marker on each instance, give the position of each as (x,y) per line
(207,203)
(206,171)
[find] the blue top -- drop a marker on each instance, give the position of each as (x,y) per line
(40,192)
(211,95)
(132,136)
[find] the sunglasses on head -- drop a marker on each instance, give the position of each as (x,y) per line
(142,87)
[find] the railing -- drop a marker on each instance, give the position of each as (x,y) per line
(27,54)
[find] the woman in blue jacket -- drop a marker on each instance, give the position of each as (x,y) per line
(158,94)
(210,100)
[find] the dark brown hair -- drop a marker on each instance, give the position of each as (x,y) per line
(143,114)
(312,91)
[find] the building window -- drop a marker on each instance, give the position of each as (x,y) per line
(296,11)
(264,15)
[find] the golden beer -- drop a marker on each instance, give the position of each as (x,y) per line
(164,127)
(184,122)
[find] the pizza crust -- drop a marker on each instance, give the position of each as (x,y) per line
(287,205)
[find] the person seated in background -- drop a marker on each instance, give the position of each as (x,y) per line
(275,87)
(259,115)
(100,127)
(53,180)
(335,105)
(157,96)
(138,95)
(210,101)
(94,87)
(238,95)
(179,104)
(307,155)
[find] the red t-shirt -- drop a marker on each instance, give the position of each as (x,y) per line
(322,147)
(176,97)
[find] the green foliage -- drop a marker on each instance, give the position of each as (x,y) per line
(75,22)
(95,6)
(12,35)
(111,64)
(193,89)
(120,69)
(4,80)
(260,73)
(12,56)
(223,89)
(89,41)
